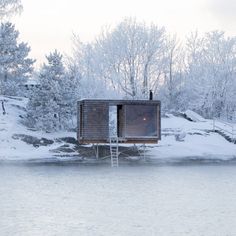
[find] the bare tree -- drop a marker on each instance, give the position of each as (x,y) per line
(211,72)
(130,57)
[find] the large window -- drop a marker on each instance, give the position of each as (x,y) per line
(141,121)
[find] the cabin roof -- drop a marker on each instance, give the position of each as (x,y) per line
(120,101)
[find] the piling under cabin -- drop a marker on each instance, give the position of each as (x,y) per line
(131,121)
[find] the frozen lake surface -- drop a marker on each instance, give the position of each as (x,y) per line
(58,199)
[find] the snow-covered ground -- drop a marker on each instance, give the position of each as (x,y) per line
(199,141)
(12,148)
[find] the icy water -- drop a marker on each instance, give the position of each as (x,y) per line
(58,199)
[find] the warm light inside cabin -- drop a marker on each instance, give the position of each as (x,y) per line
(141,121)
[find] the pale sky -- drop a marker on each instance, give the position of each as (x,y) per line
(48,24)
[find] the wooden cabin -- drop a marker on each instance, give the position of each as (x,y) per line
(132,121)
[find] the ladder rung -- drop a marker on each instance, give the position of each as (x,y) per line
(114,151)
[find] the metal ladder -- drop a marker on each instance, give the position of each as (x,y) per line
(114,144)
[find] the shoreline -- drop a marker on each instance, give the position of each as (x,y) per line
(184,161)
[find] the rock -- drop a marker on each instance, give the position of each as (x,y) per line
(63,149)
(70,140)
(36,142)
(193,116)
(180,136)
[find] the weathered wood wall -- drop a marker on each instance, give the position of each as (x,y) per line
(93,122)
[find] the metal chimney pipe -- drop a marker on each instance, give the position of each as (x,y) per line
(150,95)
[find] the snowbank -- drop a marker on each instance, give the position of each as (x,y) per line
(194,116)
(13,148)
(211,146)
(200,141)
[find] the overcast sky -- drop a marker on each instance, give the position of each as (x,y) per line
(48,24)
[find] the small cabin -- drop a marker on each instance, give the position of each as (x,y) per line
(132,121)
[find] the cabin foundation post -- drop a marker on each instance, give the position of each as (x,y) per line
(144,151)
(97,151)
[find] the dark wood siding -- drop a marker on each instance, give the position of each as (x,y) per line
(95,120)
(79,123)
(159,121)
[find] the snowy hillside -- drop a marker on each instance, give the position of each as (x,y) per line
(19,143)
(199,142)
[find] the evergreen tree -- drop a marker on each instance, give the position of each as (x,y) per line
(52,105)
(15,66)
(10,7)
(43,107)
(70,92)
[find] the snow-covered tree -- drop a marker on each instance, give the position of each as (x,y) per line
(9,7)
(88,65)
(133,53)
(52,106)
(15,66)
(171,89)
(128,59)
(70,90)
(211,73)
(43,107)
(133,58)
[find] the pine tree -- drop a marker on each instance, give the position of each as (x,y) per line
(52,105)
(10,7)
(15,66)
(70,93)
(44,103)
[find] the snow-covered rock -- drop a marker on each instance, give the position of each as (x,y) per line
(194,116)
(19,143)
(180,136)
(200,141)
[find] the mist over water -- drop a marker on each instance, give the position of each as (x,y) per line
(70,199)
